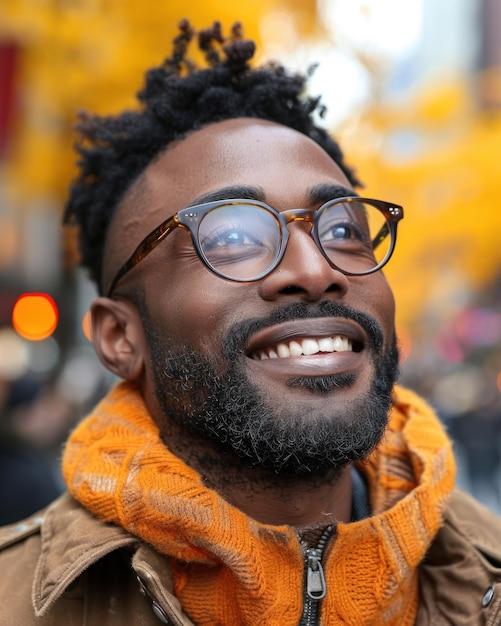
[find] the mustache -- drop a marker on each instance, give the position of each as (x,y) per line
(237,337)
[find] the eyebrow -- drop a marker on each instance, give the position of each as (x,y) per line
(232,192)
(315,195)
(328,191)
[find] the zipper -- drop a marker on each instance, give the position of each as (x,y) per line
(315,586)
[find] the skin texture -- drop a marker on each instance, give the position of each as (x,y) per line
(190,307)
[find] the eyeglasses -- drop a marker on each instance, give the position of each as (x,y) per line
(245,240)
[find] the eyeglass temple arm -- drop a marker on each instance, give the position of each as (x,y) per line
(384,231)
(389,227)
(149,243)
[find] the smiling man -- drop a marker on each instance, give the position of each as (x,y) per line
(258,464)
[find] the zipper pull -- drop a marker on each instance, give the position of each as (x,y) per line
(315,579)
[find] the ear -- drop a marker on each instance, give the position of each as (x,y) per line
(118,338)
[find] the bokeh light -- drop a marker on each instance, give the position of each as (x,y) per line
(44,356)
(35,316)
(86,326)
(81,376)
(14,355)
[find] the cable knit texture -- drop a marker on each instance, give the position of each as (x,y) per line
(230,569)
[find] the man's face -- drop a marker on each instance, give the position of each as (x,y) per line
(292,372)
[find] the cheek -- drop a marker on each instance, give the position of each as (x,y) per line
(196,310)
(195,298)
(385,304)
(376,294)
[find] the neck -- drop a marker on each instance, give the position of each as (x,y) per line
(300,502)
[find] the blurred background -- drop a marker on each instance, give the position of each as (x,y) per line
(413,92)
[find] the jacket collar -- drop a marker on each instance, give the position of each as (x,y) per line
(72,540)
(70,543)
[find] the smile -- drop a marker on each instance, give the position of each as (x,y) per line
(321,346)
(305,347)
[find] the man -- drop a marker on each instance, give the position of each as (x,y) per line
(257,465)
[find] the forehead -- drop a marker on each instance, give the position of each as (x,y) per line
(282,162)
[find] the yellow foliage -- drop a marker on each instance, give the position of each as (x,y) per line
(434,153)
(439,157)
(92,54)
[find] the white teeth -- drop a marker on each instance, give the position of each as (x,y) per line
(341,344)
(310,346)
(306,347)
(283,350)
(326,344)
(295,348)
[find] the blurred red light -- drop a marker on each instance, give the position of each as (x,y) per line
(35,316)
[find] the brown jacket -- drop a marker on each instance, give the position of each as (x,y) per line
(65,568)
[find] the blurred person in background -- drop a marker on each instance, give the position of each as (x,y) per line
(259,463)
(28,479)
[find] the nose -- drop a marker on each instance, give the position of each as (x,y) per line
(303,271)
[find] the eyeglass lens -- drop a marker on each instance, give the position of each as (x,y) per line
(243,241)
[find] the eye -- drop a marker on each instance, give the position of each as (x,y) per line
(239,234)
(234,237)
(343,231)
(229,236)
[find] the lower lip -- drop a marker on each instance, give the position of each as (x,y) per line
(322,364)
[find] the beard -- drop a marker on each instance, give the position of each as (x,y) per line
(213,400)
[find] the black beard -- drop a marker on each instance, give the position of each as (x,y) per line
(228,410)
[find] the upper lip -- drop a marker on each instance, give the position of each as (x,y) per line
(305,328)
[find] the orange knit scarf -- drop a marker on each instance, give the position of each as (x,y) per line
(230,569)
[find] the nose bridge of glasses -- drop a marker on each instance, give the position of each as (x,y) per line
(299,215)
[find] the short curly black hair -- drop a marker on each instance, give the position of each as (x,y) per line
(178,98)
